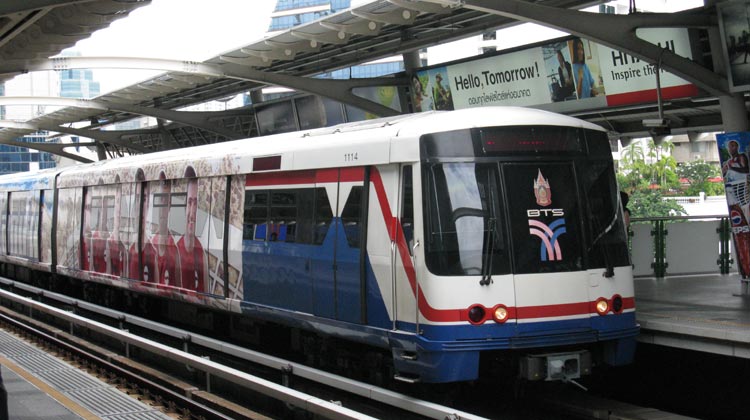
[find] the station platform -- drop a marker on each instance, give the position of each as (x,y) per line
(41,386)
(704,313)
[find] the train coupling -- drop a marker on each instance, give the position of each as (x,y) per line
(564,367)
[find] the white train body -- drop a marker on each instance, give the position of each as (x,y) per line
(445,237)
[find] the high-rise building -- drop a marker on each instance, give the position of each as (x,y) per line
(69,84)
(78,83)
(20,159)
(290,13)
(2,107)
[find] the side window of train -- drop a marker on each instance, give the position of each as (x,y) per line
(407,206)
(255,215)
(283,215)
(297,216)
(351,217)
(3,221)
(323,216)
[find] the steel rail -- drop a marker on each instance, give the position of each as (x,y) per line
(371,392)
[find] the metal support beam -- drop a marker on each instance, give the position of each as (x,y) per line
(195,119)
(8,7)
(54,148)
(113,137)
(614,31)
(339,90)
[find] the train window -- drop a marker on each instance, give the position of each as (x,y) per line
(95,212)
(24,223)
(351,217)
(3,222)
(108,210)
(407,206)
(544,217)
(323,215)
(256,215)
(286,215)
(607,243)
(598,144)
(283,216)
(465,222)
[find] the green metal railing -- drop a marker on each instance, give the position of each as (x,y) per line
(659,232)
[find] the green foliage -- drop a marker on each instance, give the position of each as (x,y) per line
(651,203)
(648,175)
(697,173)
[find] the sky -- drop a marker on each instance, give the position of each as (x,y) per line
(176,29)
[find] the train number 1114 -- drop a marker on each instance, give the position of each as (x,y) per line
(350,157)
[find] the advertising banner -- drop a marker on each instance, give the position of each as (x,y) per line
(571,70)
(630,80)
(734,24)
(733,154)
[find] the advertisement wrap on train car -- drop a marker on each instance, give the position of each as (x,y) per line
(735,168)
(183,228)
(565,75)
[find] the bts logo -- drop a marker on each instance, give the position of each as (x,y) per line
(550,248)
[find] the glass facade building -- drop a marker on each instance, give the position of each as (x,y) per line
(79,84)
(290,13)
(21,159)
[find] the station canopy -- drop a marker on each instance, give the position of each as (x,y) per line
(32,31)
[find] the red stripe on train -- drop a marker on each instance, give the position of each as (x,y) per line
(310,177)
(395,232)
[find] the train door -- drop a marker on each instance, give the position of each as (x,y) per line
(350,278)
(390,283)
(545,224)
(322,261)
(406,286)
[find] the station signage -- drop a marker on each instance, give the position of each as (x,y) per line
(564,75)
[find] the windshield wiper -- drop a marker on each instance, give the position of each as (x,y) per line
(610,269)
(488,257)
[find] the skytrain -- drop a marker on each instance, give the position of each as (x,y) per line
(446,241)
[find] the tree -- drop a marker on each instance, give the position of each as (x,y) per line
(697,174)
(633,153)
(651,203)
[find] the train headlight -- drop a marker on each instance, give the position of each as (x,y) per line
(476,314)
(500,314)
(602,306)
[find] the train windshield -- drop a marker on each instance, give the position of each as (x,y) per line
(465,220)
(532,211)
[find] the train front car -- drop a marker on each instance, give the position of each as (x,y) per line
(522,253)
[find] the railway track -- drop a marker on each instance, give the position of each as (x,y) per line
(337,392)
(279,387)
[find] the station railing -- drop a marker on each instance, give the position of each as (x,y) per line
(679,245)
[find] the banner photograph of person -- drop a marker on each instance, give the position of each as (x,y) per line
(430,90)
(735,168)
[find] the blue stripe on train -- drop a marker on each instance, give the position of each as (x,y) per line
(301,278)
(295,284)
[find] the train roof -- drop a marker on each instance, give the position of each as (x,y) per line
(378,141)
(23,181)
